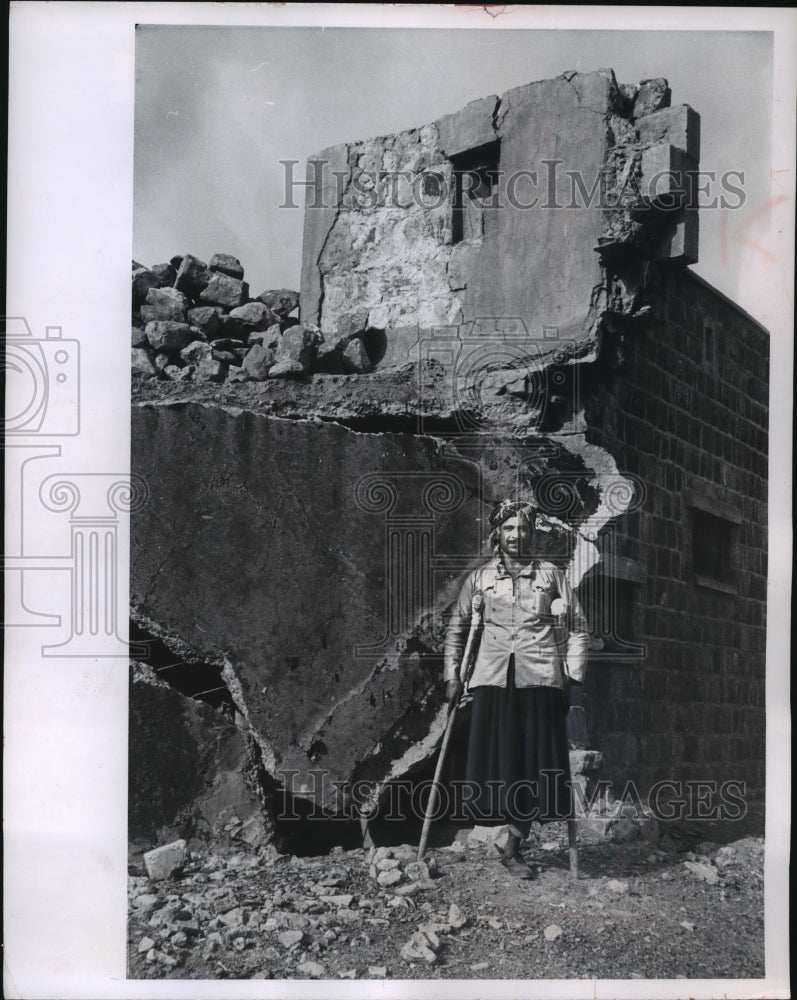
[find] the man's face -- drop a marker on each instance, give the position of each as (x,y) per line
(515,537)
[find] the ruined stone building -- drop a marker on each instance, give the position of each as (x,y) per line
(515,279)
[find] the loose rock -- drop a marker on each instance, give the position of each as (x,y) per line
(421,871)
(289,939)
(653,95)
(193,276)
(222,290)
(210,370)
(164,303)
(282,301)
(486,836)
(298,346)
(165,272)
(141,363)
(254,317)
(703,870)
(286,369)
(164,861)
(355,358)
(153,955)
(268,338)
(392,877)
(225,263)
(311,969)
(196,351)
(168,336)
(206,319)
(143,280)
(258,361)
(417,949)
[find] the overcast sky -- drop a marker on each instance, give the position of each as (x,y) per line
(218,108)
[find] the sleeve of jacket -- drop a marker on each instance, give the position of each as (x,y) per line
(577,633)
(458,628)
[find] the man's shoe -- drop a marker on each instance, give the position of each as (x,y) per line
(517,868)
(510,858)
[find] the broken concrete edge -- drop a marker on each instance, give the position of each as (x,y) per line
(268,755)
(177,645)
(428,391)
(192,768)
(498,105)
(437,441)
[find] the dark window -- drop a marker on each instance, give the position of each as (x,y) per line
(475,182)
(713,548)
(709,347)
(432,185)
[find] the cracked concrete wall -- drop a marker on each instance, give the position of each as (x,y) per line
(270,552)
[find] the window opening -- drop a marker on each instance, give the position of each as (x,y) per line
(475,183)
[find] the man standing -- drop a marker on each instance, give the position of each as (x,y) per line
(533,647)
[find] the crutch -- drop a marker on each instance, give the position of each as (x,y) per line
(466,669)
(572,846)
(572,826)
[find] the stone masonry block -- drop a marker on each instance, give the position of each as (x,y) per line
(667,175)
(678,126)
(469,128)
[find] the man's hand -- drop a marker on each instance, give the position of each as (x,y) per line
(453,691)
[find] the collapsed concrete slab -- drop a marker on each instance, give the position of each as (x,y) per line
(277,565)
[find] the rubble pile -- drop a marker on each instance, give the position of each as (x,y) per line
(456,914)
(196,322)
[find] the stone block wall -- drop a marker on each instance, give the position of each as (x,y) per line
(689,417)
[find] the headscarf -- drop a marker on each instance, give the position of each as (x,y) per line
(505,509)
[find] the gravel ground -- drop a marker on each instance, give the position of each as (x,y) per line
(637,911)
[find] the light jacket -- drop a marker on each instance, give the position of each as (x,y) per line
(518,619)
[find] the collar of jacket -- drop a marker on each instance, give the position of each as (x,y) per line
(530,570)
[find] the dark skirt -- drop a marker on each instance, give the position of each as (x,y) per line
(518,763)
